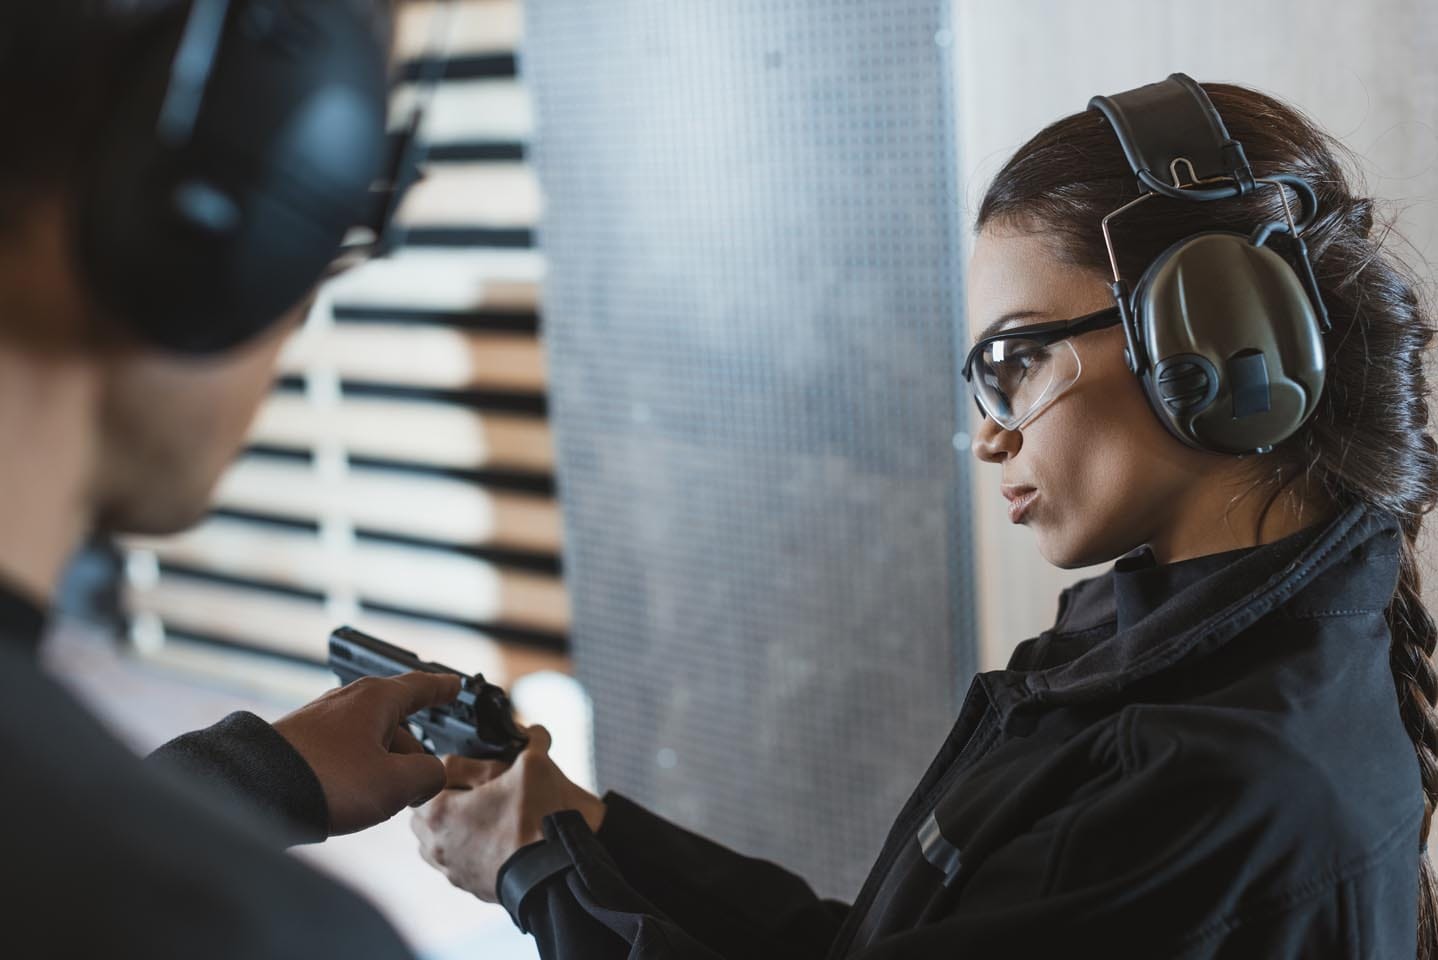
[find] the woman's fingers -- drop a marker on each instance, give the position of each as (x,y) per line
(464,773)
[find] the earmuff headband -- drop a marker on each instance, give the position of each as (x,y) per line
(1172,127)
(1171,124)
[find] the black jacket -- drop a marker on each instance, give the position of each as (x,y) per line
(106,856)
(1202,759)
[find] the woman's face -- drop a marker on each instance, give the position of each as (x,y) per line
(1109,476)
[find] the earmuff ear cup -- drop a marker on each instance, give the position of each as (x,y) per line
(200,248)
(1234,352)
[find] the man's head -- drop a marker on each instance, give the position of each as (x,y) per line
(159,428)
(162,424)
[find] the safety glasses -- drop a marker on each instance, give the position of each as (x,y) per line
(1018,372)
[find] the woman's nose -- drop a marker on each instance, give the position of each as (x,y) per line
(993,444)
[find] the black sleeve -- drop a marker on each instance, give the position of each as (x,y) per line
(247,758)
(107,857)
(645,887)
(1109,889)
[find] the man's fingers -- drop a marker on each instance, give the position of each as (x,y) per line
(412,692)
(404,741)
(416,777)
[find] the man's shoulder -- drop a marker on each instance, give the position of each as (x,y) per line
(149,859)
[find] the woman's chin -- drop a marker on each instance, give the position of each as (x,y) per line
(1058,550)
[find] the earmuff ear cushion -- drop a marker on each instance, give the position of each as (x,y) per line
(1215,306)
(201,248)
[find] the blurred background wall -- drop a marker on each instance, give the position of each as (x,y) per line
(752,306)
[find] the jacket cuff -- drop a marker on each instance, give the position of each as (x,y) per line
(246,757)
(529,868)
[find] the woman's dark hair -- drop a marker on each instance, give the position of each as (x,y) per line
(1368,439)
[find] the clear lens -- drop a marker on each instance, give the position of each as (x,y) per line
(1015,378)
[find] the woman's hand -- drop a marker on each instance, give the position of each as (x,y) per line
(489,810)
(355,739)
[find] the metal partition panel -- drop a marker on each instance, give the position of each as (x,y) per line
(751,310)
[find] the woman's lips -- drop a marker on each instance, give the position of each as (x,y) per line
(1019,505)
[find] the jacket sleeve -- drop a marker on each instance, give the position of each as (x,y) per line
(246,758)
(646,888)
(1109,876)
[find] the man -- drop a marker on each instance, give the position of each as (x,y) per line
(181,855)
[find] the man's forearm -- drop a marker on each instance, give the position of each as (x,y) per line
(245,757)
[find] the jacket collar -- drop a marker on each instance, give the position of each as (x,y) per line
(1349,563)
(1141,585)
(21,620)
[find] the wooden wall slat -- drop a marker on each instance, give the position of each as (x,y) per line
(473,195)
(468,111)
(435,434)
(410,355)
(444,584)
(434,508)
(297,627)
(475,26)
(457,280)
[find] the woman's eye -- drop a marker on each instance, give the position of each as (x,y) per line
(1028,358)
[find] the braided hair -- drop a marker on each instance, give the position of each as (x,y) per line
(1368,440)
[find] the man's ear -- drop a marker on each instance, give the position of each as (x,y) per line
(45,305)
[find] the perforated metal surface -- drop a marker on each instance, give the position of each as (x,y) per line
(751,311)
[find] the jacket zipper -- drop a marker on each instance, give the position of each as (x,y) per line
(919,810)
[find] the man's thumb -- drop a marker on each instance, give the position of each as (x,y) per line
(417,776)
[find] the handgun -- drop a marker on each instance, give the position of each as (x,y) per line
(479,724)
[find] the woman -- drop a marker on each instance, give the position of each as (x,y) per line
(1211,753)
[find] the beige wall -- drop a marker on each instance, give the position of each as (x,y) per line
(1365,71)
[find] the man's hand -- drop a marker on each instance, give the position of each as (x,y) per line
(356,741)
(489,811)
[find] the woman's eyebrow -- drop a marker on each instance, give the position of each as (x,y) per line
(998,324)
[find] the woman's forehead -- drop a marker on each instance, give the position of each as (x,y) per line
(1017,272)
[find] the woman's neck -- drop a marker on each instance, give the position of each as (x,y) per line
(1225,516)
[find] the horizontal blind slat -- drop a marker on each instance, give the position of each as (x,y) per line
(426,581)
(435,508)
(466,111)
(493,195)
(453,280)
(436,434)
(300,628)
(474,26)
(416,356)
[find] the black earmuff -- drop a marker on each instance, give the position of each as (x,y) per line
(1224,332)
(240,151)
